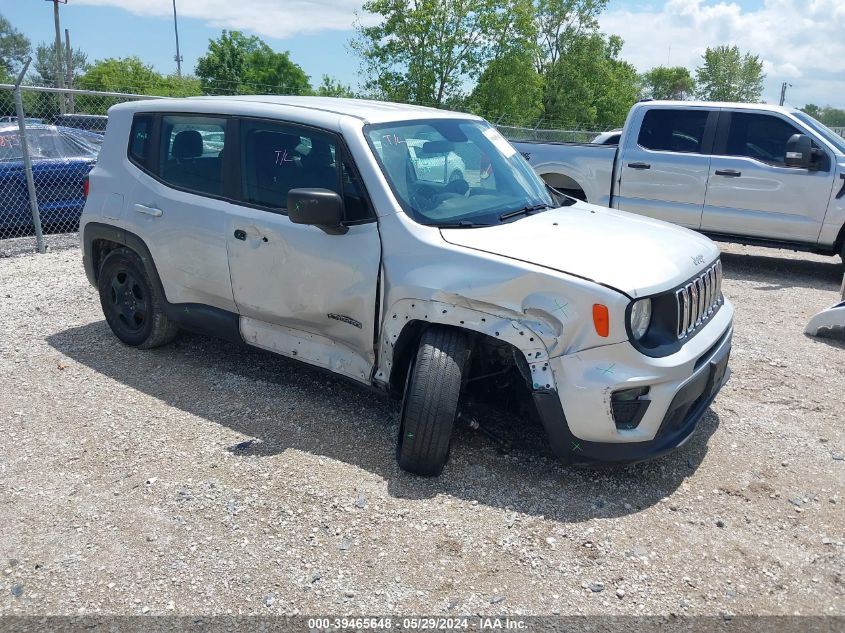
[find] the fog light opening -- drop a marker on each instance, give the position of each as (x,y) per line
(629,407)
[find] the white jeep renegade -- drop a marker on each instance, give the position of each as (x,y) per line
(336,232)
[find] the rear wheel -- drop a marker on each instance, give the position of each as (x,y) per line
(130,304)
(430,401)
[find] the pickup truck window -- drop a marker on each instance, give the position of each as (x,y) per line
(759,136)
(191,147)
(456,172)
(673,130)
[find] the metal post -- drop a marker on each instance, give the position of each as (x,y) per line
(178,55)
(70,101)
(60,75)
(27,162)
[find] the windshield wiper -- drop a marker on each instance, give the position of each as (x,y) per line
(528,210)
(463,224)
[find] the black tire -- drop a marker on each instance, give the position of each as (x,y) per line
(130,302)
(430,401)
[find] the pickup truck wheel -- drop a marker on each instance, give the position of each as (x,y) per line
(430,401)
(130,304)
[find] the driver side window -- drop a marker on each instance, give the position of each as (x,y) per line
(759,136)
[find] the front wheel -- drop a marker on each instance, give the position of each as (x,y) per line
(430,401)
(130,303)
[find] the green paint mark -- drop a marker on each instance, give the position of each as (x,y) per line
(607,370)
(562,308)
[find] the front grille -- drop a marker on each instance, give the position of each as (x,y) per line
(699,299)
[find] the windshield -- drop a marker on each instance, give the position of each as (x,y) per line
(457,172)
(822,130)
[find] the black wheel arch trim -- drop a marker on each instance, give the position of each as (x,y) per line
(196,317)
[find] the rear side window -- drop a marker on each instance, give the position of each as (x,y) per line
(759,136)
(191,153)
(673,130)
(277,158)
(139,138)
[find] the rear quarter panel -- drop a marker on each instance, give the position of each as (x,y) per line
(573,166)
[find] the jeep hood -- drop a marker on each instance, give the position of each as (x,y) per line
(634,254)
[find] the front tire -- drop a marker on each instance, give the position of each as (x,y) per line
(430,401)
(132,307)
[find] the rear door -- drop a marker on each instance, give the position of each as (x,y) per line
(178,203)
(752,193)
(301,291)
(664,170)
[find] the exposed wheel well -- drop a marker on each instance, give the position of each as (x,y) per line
(489,357)
(565,184)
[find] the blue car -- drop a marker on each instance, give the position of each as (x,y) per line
(61,159)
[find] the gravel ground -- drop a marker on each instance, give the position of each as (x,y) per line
(208,478)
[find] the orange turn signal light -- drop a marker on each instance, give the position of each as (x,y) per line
(601,319)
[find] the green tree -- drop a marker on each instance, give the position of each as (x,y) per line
(237,64)
(509,90)
(184,86)
(426,50)
(124,74)
(589,85)
(728,75)
(331,87)
(558,24)
(832,117)
(45,63)
(664,82)
(14,48)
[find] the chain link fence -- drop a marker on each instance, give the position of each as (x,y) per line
(549,134)
(49,141)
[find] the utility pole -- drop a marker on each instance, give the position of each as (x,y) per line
(60,75)
(783,88)
(178,57)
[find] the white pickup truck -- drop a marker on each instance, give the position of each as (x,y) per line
(747,173)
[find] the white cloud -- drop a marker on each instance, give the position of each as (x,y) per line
(800,41)
(269,18)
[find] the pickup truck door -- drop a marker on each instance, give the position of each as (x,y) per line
(300,291)
(663,171)
(751,193)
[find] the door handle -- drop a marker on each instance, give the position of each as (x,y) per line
(729,173)
(639,165)
(153,211)
(240,235)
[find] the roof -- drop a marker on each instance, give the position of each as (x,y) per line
(367,111)
(763,107)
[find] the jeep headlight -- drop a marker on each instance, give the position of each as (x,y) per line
(640,317)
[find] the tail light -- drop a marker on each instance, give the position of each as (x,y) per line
(86,187)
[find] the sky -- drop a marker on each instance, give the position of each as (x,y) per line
(800,41)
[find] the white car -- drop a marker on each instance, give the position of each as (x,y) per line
(310,234)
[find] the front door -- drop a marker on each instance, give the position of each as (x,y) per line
(300,291)
(664,174)
(752,193)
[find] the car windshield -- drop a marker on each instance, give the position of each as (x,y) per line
(822,130)
(460,172)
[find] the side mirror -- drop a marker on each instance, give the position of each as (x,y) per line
(799,151)
(319,207)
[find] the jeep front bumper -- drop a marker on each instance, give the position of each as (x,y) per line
(579,416)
